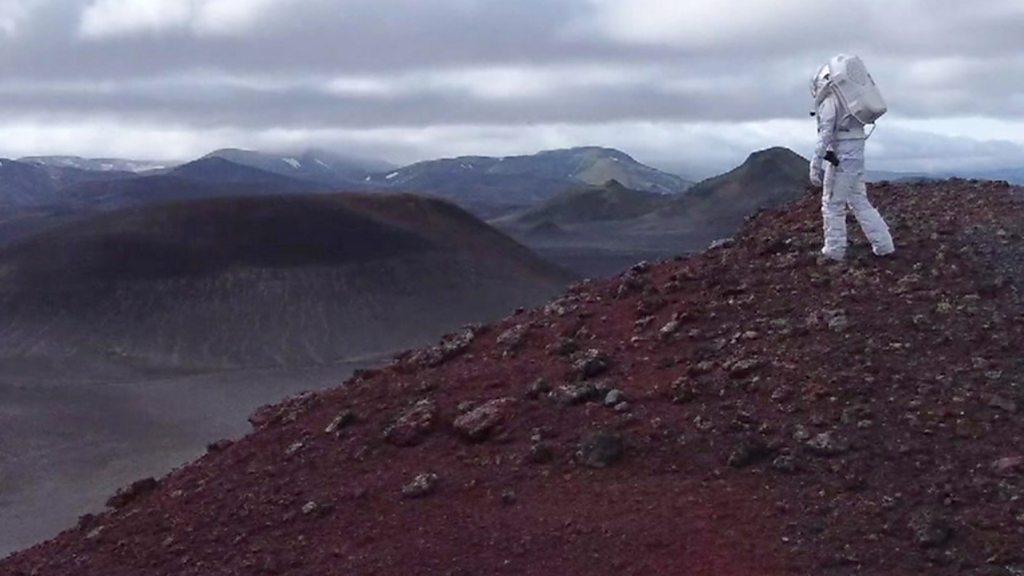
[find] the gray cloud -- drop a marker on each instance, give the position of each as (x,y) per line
(402,78)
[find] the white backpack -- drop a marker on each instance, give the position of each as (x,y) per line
(856,89)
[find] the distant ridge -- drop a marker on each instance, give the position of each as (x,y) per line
(525,180)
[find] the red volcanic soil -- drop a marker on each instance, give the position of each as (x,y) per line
(773,415)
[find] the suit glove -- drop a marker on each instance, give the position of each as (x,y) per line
(817,174)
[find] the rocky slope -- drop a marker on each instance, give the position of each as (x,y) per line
(744,411)
(282,280)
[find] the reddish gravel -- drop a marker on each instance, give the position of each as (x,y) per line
(794,418)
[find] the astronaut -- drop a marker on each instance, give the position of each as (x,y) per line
(838,166)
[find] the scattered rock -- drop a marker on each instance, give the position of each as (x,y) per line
(566,346)
(589,364)
(421,486)
(785,463)
(284,412)
(450,347)
(1002,403)
(573,394)
(827,444)
(513,338)
(294,448)
(133,492)
(508,498)
(720,243)
(685,391)
(749,451)
(478,424)
(600,450)
(413,425)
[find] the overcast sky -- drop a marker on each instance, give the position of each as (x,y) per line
(691,86)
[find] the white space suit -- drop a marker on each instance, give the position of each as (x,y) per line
(844,187)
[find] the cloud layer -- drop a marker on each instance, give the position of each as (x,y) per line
(689,85)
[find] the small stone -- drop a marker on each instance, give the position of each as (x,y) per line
(826,444)
(614,397)
(341,421)
(641,267)
(566,347)
(1003,403)
(600,450)
(508,498)
(538,388)
(590,363)
(421,486)
(930,529)
(310,507)
(294,448)
(685,391)
(413,425)
(838,324)
(669,329)
(622,407)
(1009,465)
(478,424)
(782,394)
(95,533)
(218,446)
(540,453)
(746,367)
(747,452)
(784,463)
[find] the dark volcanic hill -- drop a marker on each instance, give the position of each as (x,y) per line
(258,281)
(767,179)
(744,411)
(609,202)
(524,180)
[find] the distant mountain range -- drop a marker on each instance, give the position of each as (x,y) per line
(96,164)
(315,166)
(281,280)
(525,180)
(1011,175)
